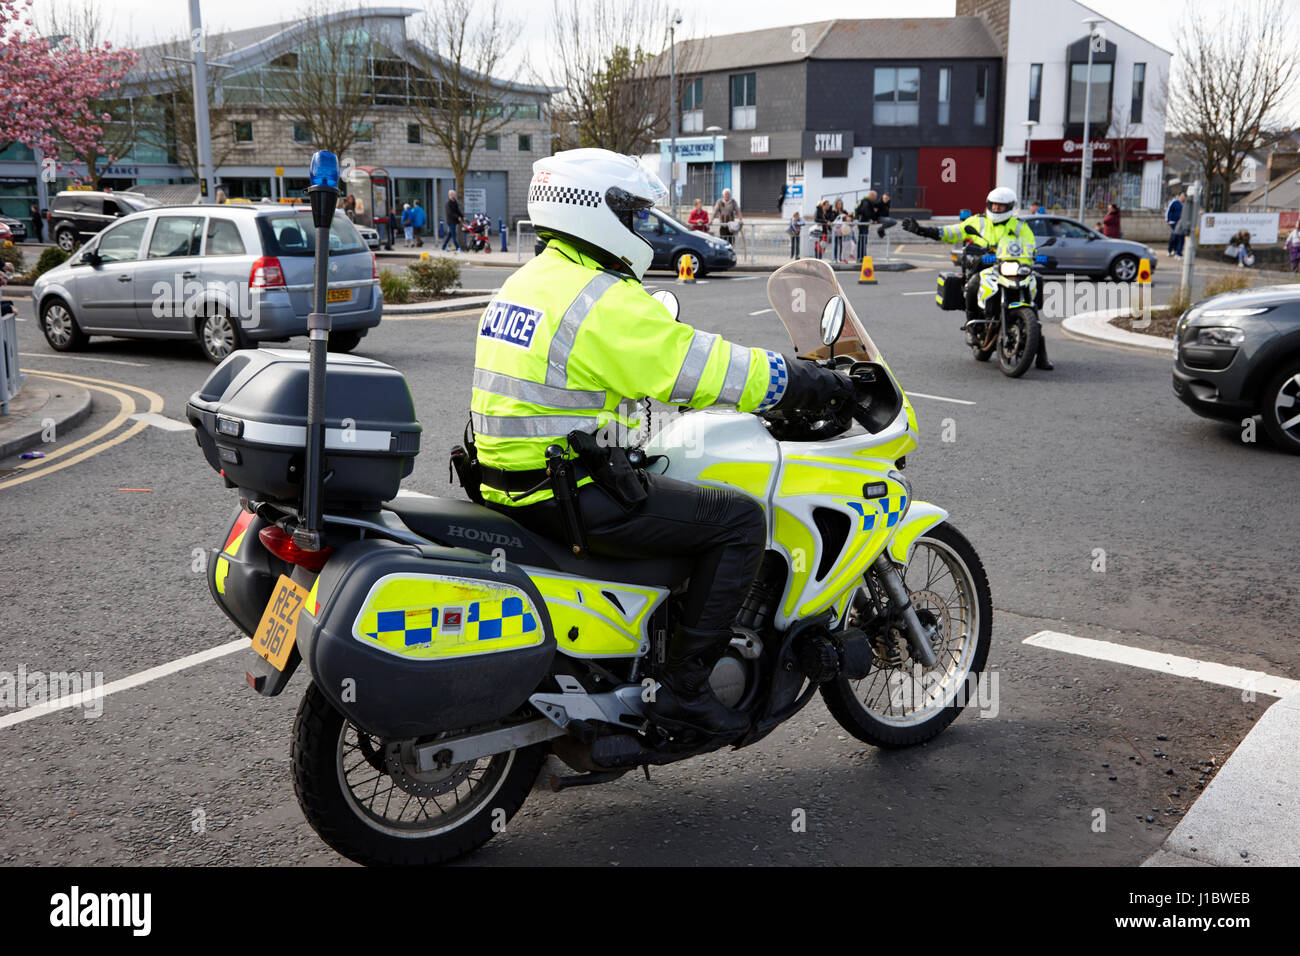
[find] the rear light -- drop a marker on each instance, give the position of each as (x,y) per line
(374,266)
(280,544)
(266,274)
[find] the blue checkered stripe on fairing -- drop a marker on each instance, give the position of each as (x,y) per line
(777,377)
(482,620)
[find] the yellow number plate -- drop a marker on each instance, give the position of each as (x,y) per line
(279,625)
(338,295)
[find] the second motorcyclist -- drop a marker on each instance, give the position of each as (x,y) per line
(998,222)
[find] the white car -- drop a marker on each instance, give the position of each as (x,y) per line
(369,236)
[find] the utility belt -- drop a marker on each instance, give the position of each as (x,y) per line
(620,473)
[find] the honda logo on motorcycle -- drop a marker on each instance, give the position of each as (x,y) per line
(487,537)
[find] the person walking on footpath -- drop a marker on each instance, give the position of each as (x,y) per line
(726,212)
(408,231)
(418,221)
(453,218)
(1173,213)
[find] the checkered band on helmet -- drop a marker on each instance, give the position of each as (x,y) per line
(543,192)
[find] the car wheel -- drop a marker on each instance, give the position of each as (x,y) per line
(696,264)
(343,341)
(219,335)
(1124,268)
(60,327)
(1280,408)
(66,239)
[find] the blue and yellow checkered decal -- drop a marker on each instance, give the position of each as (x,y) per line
(891,508)
(430,616)
(777,375)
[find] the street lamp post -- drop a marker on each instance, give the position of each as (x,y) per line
(1084,167)
(713,172)
(1029,135)
(672,105)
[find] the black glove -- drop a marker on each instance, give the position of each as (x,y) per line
(812,387)
(909,225)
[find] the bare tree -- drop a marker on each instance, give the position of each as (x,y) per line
(1234,72)
(614,72)
(326,83)
(459,99)
(166,120)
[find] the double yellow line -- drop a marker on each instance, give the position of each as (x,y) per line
(103,438)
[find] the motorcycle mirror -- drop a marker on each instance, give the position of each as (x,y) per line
(832,321)
(669,302)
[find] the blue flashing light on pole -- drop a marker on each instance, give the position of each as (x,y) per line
(324,169)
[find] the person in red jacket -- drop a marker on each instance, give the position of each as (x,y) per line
(1109,224)
(699,218)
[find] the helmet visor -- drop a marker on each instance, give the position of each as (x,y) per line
(1000,206)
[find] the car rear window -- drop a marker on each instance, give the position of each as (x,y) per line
(292,234)
(223,238)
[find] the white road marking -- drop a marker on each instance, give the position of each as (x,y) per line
(922,292)
(162,421)
(1211,673)
(126,683)
(742,278)
(81,358)
(761,312)
(938,398)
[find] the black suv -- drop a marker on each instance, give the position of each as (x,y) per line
(1238,355)
(76,215)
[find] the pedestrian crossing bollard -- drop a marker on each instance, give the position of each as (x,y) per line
(1144,272)
(686,269)
(868,274)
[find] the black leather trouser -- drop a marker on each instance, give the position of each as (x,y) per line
(723,531)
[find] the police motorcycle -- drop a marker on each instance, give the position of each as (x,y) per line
(1012,333)
(450,650)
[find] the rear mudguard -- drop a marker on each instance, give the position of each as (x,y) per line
(920,518)
(240,575)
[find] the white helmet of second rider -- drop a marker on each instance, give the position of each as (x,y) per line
(595,195)
(1000,204)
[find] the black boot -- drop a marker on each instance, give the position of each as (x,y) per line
(684,700)
(1042,361)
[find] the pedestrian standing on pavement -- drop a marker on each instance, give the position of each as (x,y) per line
(699,218)
(37,221)
(796,226)
(1293,248)
(453,218)
(418,221)
(836,217)
(1109,224)
(883,219)
(1173,213)
(408,231)
(864,214)
(821,226)
(726,212)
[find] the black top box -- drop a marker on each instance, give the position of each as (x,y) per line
(250,419)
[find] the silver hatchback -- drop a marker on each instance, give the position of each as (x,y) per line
(229,276)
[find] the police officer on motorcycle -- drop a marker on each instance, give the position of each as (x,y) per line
(997,223)
(564,352)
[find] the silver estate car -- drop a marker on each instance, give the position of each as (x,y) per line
(229,276)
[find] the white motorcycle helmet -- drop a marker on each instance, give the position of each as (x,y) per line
(1005,199)
(594,195)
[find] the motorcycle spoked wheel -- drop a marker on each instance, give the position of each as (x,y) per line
(1018,345)
(899,704)
(364,798)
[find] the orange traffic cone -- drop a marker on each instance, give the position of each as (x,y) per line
(686,269)
(868,274)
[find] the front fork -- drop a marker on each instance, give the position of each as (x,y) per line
(918,635)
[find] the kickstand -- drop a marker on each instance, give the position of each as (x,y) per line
(645,768)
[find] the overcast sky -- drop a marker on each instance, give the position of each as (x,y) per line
(143,21)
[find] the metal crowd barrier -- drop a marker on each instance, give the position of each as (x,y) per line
(11,379)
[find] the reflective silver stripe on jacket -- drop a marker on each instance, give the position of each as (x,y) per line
(550,395)
(697,357)
(531,426)
(737,374)
(557,359)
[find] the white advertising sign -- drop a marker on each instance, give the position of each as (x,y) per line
(475,199)
(1218,228)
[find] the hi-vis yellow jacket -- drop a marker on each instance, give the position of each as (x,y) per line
(568,345)
(991,234)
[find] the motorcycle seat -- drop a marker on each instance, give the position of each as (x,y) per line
(463,524)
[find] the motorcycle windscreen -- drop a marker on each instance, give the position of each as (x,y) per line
(798,292)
